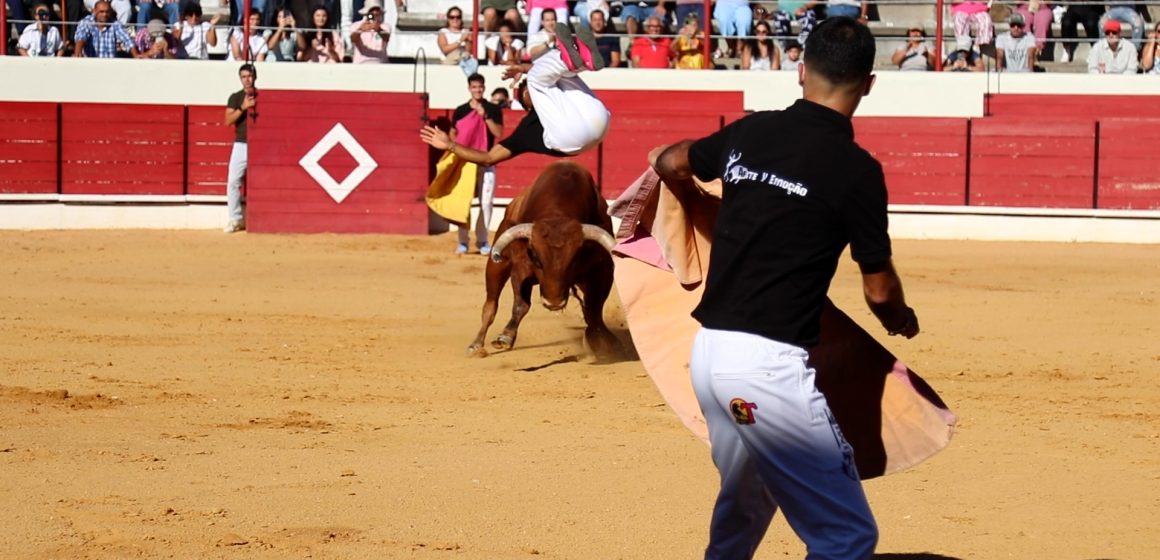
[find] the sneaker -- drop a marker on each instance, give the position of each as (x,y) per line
(461,249)
(485,249)
(586,43)
(234,227)
(568,51)
(1064,57)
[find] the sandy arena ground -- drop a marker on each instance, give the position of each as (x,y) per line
(196,395)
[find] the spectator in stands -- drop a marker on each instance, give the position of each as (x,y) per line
(1148,59)
(545,38)
(794,10)
(1075,14)
(761,52)
(1015,49)
(1111,55)
(195,35)
(489,116)
(492,11)
(499,98)
(40,38)
(283,41)
(585,8)
(1125,13)
(914,54)
(608,45)
(322,42)
(536,9)
(454,41)
(846,8)
(688,48)
(255,42)
(154,42)
(504,47)
(686,7)
(369,36)
(734,19)
(634,15)
(792,57)
(963,60)
(967,14)
(241,110)
(98,34)
(1037,16)
(147,10)
(121,10)
(652,50)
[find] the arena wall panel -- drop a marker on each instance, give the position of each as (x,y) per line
(1129,174)
(122,149)
(515,175)
(1070,106)
(1032,162)
(208,145)
(924,159)
(28,148)
(631,137)
(283,197)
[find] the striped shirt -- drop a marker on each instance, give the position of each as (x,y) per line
(102,43)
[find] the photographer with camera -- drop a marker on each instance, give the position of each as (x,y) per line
(370,36)
(322,43)
(153,41)
(283,42)
(40,38)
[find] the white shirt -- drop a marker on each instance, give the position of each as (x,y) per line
(454,37)
(1121,61)
(193,39)
(492,43)
(30,41)
(1016,52)
(257,45)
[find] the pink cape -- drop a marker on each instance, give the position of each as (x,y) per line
(891,417)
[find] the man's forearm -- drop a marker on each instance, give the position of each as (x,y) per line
(884,296)
(673,163)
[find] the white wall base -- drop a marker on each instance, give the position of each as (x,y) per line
(56,215)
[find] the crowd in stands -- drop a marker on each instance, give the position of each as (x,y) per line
(643,34)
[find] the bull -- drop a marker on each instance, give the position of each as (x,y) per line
(556,234)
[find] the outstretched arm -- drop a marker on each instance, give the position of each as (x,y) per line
(672,162)
(883,291)
(441,141)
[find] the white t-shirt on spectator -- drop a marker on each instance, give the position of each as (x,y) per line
(916,58)
(540,38)
(30,41)
(1016,51)
(492,43)
(257,45)
(193,39)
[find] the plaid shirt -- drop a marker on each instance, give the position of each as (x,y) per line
(103,43)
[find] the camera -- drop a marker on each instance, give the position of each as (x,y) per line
(372,18)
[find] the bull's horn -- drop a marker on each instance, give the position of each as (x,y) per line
(518,231)
(599,235)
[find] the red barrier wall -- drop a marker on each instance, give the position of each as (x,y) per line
(515,175)
(1070,106)
(122,149)
(284,197)
(28,148)
(208,147)
(1129,174)
(1032,162)
(924,159)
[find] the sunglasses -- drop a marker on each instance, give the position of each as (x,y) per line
(42,14)
(1111,32)
(454,17)
(1019,25)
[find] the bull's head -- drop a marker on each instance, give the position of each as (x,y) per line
(551,246)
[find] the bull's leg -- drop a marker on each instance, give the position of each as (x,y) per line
(596,290)
(522,290)
(496,276)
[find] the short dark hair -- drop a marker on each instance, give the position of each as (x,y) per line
(247,66)
(476,77)
(504,91)
(841,51)
(191,9)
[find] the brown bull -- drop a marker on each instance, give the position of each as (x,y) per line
(556,234)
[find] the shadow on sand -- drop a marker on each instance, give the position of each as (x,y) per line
(913,556)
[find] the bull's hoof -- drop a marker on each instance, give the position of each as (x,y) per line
(476,351)
(503,342)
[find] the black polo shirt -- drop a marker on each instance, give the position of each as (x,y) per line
(490,109)
(528,137)
(797,190)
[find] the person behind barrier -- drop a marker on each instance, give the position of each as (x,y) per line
(652,50)
(915,54)
(503,47)
(369,37)
(1037,16)
(564,119)
(153,41)
(98,34)
(241,110)
(499,98)
(967,14)
(544,39)
(1126,14)
(1112,55)
(257,43)
(963,60)
(195,35)
(1016,49)
(479,109)
(322,42)
(1148,59)
(1086,14)
(687,47)
(40,38)
(496,11)
(455,40)
(760,53)
(792,57)
(790,205)
(608,45)
(635,14)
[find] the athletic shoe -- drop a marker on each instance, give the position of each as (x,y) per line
(485,249)
(461,249)
(234,227)
(568,51)
(586,43)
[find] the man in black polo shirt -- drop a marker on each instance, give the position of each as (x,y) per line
(492,117)
(790,205)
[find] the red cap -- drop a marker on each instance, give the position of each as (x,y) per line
(1112,25)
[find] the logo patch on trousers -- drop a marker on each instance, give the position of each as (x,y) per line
(743,411)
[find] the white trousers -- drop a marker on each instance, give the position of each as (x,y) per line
(573,118)
(776,444)
(239,157)
(486,198)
